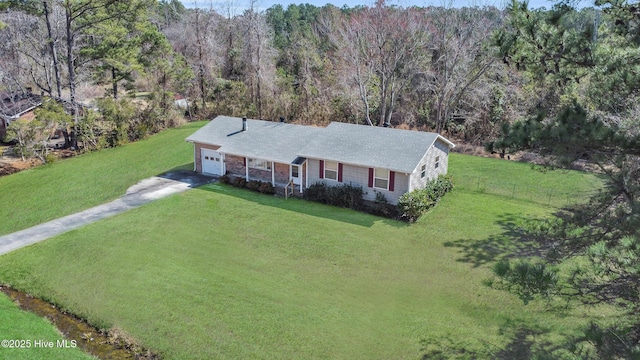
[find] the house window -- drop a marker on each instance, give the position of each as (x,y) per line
(423,171)
(381,179)
(331,170)
(437,162)
(260,164)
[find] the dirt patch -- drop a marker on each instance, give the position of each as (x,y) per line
(9,165)
(114,344)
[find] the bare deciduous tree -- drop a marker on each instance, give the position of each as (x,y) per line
(383,47)
(458,58)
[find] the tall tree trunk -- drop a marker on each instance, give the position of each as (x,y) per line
(201,79)
(71,42)
(383,96)
(258,78)
(71,70)
(52,46)
(114,82)
(70,57)
(392,100)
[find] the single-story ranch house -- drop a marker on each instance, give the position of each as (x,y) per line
(384,160)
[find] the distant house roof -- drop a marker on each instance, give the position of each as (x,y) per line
(397,150)
(394,149)
(14,104)
(274,141)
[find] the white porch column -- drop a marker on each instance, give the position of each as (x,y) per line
(273,173)
(195,166)
(303,174)
(246,168)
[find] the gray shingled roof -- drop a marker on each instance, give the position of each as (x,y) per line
(267,140)
(397,150)
(394,149)
(13,105)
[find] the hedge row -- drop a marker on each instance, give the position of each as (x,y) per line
(344,195)
(417,202)
(264,187)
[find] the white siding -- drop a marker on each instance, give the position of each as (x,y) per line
(439,149)
(359,176)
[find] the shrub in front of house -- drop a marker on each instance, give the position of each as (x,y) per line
(381,207)
(225,179)
(343,195)
(253,185)
(266,188)
(415,203)
(239,182)
(316,192)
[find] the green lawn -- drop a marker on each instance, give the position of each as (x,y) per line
(223,273)
(16,324)
(38,195)
(518,180)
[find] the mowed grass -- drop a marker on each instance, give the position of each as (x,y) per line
(224,273)
(45,193)
(28,328)
(518,180)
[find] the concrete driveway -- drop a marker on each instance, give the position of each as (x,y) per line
(139,194)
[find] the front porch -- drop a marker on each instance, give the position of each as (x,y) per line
(289,190)
(281,189)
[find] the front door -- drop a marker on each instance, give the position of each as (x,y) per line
(295,174)
(211,162)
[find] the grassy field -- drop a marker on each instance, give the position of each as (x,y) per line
(520,181)
(16,324)
(224,273)
(38,195)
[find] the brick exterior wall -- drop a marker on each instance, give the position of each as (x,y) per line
(234,165)
(259,174)
(282,173)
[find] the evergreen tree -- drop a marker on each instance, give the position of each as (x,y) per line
(588,68)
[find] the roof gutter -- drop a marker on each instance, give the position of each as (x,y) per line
(451,145)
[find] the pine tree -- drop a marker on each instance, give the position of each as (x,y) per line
(587,64)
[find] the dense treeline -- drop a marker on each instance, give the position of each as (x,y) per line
(431,68)
(78,54)
(428,68)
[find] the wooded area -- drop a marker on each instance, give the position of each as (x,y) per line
(426,68)
(561,82)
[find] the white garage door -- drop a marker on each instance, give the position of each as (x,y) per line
(211,162)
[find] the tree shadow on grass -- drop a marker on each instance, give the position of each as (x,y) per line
(303,206)
(524,343)
(511,242)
